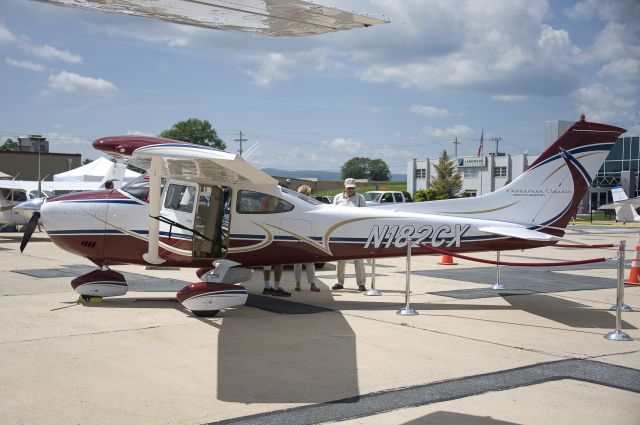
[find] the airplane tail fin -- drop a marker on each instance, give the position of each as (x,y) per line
(548,193)
(618,194)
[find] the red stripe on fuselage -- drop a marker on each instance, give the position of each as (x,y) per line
(122,248)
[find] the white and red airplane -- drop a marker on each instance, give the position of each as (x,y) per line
(204,208)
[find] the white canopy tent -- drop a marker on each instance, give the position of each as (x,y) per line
(99,170)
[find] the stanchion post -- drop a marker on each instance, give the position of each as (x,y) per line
(498,284)
(407,310)
(618,335)
(373,292)
(624,307)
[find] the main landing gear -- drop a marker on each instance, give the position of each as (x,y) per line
(205,298)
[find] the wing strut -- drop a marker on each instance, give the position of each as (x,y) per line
(153,256)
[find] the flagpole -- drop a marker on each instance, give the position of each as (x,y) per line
(481,152)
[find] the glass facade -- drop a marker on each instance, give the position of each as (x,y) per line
(621,167)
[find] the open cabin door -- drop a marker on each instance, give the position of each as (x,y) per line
(212,222)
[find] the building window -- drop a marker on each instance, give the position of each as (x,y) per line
(420,173)
(500,172)
(470,193)
(471,173)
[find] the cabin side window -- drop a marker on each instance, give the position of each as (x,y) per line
(180,197)
(250,202)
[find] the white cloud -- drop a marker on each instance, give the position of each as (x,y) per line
(509,98)
(458,130)
(600,103)
(24,65)
(163,33)
(344,145)
(138,133)
(64,139)
(51,53)
(273,67)
(70,82)
(6,36)
(627,11)
(429,111)
(625,69)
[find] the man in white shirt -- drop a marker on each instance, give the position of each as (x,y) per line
(350,198)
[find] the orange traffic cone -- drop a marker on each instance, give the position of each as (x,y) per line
(634,275)
(447,260)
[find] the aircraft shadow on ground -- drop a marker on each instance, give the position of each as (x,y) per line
(454,418)
(273,361)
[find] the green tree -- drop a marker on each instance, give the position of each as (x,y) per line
(427,195)
(365,168)
(357,168)
(195,131)
(447,182)
(9,145)
(87,161)
(379,170)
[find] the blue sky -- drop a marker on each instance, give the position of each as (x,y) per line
(437,70)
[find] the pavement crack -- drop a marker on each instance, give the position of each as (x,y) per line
(87,334)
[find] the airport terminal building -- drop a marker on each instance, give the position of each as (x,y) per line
(481,175)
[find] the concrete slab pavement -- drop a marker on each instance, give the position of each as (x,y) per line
(532,358)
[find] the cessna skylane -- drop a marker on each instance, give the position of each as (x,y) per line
(204,208)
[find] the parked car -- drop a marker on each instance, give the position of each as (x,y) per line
(324,199)
(379,197)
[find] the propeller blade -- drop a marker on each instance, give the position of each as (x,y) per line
(28,230)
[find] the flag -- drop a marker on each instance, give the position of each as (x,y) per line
(481,143)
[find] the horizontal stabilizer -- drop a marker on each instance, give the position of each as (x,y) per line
(520,233)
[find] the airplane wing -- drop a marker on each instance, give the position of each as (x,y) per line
(634,202)
(276,18)
(520,233)
(200,164)
(609,206)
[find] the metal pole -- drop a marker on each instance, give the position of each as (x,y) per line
(624,307)
(407,310)
(373,291)
(618,335)
(498,284)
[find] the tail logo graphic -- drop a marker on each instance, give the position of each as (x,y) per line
(572,159)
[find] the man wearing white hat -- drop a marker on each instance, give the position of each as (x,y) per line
(350,198)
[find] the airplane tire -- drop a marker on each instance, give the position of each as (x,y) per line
(205,313)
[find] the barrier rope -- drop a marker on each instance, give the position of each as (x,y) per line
(605,245)
(507,263)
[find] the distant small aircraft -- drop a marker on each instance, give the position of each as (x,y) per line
(625,208)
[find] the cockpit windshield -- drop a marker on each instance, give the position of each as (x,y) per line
(139,188)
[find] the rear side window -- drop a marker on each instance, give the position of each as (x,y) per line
(397,197)
(180,198)
(250,202)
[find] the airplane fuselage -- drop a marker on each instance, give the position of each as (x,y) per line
(111,227)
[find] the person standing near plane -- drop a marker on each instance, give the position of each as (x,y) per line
(350,198)
(309,267)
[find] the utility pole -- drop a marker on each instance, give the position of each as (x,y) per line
(240,139)
(456,143)
(497,140)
